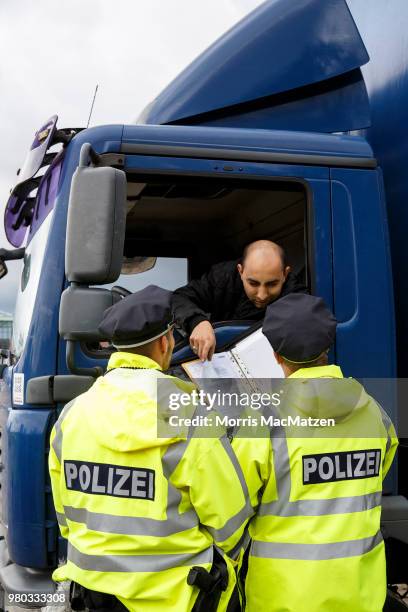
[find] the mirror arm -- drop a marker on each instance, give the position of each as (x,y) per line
(8,255)
(70,358)
(11,254)
(88,155)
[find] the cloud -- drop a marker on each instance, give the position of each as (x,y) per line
(54,53)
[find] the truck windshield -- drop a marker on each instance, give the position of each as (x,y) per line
(34,255)
(46,196)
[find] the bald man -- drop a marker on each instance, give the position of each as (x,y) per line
(233,290)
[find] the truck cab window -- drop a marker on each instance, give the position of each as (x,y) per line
(209,220)
(167,272)
(191,224)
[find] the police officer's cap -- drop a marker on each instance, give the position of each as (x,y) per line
(138,318)
(299,327)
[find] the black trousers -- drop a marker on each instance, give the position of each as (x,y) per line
(82,598)
(101,602)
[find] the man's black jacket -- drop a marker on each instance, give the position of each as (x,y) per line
(219,296)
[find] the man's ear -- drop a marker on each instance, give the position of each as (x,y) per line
(164,344)
(240,269)
(286,271)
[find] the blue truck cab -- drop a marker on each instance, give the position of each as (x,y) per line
(263,137)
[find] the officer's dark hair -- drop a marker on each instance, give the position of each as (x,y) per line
(276,247)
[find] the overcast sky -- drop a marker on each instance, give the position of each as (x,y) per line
(54,53)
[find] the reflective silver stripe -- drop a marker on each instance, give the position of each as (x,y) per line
(173,456)
(236,521)
(57,441)
(315,552)
(136,563)
(281,459)
(282,467)
(233,458)
(132,525)
(387,424)
(199,411)
(61,519)
(233,524)
(242,543)
(170,461)
(321,507)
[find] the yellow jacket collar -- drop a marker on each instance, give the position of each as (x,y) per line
(131,360)
(329,371)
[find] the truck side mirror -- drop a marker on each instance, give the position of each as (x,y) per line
(81,312)
(96,223)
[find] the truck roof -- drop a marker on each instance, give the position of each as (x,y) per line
(278,146)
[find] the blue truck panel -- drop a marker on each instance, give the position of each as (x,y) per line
(363,303)
(338,106)
(270,56)
(384,29)
(321,244)
(28,488)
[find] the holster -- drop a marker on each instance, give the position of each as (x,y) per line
(211,584)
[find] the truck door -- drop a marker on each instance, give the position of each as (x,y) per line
(362,276)
(200,195)
(203,193)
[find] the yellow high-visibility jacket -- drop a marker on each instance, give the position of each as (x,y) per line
(316,540)
(139,511)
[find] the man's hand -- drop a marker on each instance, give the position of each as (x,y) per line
(202,340)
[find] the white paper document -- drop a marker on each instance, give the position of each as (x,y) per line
(256,358)
(252,357)
(222,365)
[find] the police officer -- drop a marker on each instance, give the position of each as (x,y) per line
(316,540)
(142,514)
